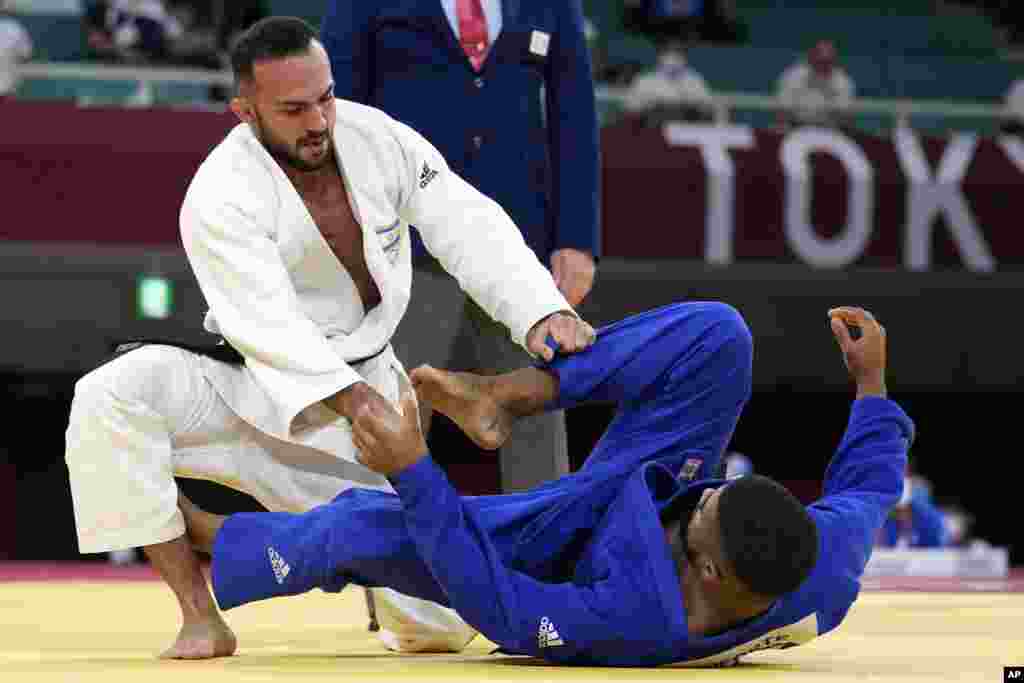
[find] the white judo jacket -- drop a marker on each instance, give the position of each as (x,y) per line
(280,296)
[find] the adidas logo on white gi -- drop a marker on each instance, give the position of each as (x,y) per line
(547,635)
(426,175)
(277,563)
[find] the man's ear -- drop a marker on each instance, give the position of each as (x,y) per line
(242,109)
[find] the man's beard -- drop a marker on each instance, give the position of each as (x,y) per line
(681,510)
(284,154)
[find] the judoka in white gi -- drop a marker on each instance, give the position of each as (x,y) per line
(297,229)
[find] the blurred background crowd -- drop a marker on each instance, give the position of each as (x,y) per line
(652,57)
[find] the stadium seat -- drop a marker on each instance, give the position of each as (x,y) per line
(90,91)
(56,37)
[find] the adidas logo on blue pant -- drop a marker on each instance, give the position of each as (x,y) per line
(547,635)
(277,563)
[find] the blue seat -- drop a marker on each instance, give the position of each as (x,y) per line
(757,70)
(963,34)
(948,78)
(110,92)
(910,26)
(180,93)
(742,69)
(76,89)
(57,38)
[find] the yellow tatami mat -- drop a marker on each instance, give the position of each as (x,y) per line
(112,632)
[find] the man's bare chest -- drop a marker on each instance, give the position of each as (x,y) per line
(336,221)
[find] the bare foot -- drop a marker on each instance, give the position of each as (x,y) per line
(464,398)
(202,526)
(204,639)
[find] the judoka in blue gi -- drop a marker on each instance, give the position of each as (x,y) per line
(637,559)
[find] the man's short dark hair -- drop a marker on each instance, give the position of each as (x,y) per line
(270,38)
(768,537)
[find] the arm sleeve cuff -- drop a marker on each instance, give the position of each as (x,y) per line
(417,481)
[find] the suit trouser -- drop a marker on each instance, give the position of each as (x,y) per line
(151,414)
(445,328)
(680,376)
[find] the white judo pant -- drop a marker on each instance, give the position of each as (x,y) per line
(150,415)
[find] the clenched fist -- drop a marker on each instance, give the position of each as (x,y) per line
(864,355)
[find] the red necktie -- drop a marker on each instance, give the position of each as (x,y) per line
(472,30)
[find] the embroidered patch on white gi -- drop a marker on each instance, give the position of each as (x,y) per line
(277,563)
(539,42)
(547,635)
(390,238)
(690,467)
(426,175)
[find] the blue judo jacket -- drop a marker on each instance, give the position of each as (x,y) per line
(578,571)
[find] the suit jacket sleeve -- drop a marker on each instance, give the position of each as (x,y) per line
(345,33)
(473,238)
(862,484)
(573,135)
(251,296)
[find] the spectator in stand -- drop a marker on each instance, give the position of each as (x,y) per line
(137,31)
(915,521)
(15,47)
(815,92)
(673,91)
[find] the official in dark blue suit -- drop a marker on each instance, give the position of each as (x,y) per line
(503,88)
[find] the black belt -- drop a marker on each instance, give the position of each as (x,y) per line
(219,350)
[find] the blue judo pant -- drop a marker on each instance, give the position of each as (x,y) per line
(680,376)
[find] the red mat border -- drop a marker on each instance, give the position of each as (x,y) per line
(75,571)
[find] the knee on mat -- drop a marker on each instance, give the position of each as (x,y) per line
(410,625)
(425,642)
